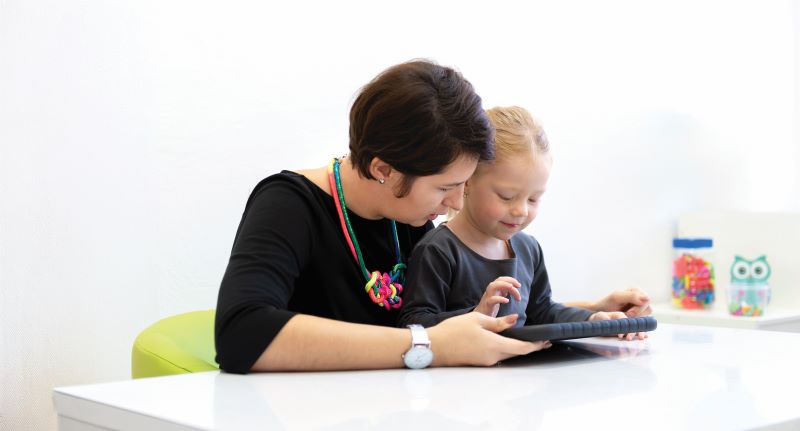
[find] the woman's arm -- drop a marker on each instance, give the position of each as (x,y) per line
(308,343)
(315,343)
(273,243)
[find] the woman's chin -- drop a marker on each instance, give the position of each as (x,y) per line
(418,222)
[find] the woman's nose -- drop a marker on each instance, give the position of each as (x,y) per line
(455,199)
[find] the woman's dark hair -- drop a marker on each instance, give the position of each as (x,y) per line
(418,117)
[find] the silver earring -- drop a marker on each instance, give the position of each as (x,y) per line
(382,181)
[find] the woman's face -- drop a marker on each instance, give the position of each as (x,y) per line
(432,195)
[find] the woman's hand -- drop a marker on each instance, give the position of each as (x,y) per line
(496,293)
(472,339)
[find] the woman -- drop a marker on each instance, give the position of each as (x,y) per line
(315,277)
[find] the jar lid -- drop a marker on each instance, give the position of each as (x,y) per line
(692,242)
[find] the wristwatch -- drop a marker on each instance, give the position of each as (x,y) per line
(420,354)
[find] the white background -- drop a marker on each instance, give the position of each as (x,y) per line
(131,134)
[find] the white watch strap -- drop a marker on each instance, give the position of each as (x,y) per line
(419,336)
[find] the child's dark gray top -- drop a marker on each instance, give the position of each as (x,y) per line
(446,278)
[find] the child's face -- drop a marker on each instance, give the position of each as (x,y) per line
(503,198)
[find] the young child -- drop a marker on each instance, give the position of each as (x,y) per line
(481,260)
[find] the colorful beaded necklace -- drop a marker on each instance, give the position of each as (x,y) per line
(384,289)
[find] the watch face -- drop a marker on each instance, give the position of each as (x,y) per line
(418,357)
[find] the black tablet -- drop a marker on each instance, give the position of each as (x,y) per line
(595,328)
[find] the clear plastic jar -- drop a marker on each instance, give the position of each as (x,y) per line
(692,273)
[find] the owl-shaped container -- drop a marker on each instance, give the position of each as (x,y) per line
(749,292)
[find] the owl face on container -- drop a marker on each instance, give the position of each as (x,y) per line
(747,271)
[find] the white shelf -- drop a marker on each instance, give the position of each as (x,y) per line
(774,319)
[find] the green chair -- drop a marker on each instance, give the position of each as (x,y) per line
(178,344)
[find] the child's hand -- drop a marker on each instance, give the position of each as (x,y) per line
(496,293)
(634,302)
(613,315)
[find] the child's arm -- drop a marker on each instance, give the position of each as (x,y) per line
(430,276)
(633,302)
(620,304)
(541,307)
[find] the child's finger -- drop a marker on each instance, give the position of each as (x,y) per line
(508,289)
(499,324)
(497,300)
(497,284)
(513,281)
(633,335)
(635,311)
(513,291)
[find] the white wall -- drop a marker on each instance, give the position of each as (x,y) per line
(132,132)
(682,108)
(796,5)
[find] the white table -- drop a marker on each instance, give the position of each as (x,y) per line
(681,378)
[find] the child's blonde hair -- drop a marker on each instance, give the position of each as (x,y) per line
(516,132)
